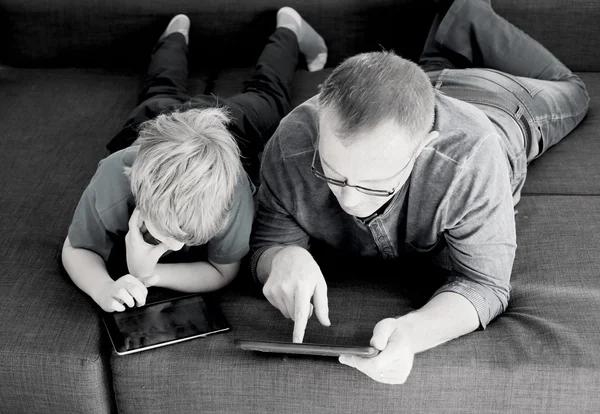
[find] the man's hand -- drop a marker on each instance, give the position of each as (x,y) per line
(395,361)
(294,280)
(127,290)
(141,256)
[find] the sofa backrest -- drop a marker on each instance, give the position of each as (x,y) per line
(231,33)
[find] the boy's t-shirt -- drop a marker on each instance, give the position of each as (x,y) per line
(107,203)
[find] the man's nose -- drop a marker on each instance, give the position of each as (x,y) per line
(350,197)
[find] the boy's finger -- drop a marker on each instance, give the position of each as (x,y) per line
(125,297)
(134,219)
(116,306)
(134,226)
(139,293)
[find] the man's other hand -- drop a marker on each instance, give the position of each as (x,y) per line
(296,279)
(395,361)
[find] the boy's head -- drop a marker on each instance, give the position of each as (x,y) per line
(184,176)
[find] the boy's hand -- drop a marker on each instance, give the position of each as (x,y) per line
(141,256)
(127,290)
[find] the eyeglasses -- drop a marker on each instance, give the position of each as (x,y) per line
(344,183)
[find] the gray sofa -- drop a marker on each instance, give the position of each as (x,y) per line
(68,79)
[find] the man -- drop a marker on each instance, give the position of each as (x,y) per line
(180,194)
(386,162)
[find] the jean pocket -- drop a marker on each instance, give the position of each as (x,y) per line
(532,90)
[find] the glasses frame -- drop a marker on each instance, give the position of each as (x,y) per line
(344,183)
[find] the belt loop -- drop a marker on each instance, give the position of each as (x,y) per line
(439,82)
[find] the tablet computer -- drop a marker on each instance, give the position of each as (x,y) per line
(163,323)
(306,348)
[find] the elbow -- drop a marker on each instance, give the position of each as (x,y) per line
(227,277)
(66,249)
(227,273)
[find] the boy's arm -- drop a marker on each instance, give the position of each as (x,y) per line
(86,268)
(197,276)
(88,271)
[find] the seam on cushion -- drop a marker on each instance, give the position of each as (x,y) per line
(560,194)
(98,357)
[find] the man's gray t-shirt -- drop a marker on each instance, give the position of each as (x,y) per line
(103,213)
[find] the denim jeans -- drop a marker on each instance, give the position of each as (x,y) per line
(471,50)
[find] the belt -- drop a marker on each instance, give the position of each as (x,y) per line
(516,111)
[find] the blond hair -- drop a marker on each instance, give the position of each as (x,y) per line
(185,173)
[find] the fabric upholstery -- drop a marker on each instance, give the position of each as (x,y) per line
(116,34)
(52,347)
(541,356)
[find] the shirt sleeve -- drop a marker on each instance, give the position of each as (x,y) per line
(275,223)
(232,243)
(103,209)
(480,232)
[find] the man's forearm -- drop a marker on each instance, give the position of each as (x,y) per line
(263,267)
(195,277)
(445,317)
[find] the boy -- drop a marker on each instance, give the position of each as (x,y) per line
(182,186)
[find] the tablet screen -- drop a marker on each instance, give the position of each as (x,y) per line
(164,323)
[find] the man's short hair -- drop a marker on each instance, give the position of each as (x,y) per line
(374,87)
(185,173)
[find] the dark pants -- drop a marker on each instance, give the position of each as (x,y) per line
(473,51)
(255,112)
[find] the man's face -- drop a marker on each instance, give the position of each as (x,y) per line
(380,159)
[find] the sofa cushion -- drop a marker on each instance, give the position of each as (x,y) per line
(568,29)
(113,33)
(54,134)
(541,356)
(52,345)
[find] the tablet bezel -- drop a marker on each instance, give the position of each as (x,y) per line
(212,312)
(306,348)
